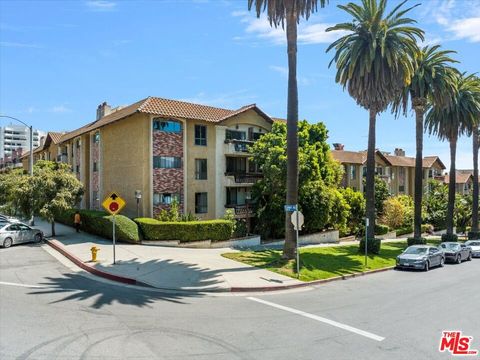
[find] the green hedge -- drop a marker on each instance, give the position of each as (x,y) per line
(413,241)
(403,231)
(449,238)
(215,230)
(373,246)
(381,229)
(100,223)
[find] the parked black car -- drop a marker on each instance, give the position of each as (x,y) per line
(456,252)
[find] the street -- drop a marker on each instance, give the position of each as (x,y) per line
(49,312)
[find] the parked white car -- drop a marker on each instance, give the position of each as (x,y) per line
(475,245)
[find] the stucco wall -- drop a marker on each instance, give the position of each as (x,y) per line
(126,162)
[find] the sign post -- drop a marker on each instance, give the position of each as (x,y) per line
(366,241)
(297,220)
(113,203)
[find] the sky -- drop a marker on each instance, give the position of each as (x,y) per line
(60,59)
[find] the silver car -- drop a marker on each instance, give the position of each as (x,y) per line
(421,257)
(456,252)
(17,233)
(475,246)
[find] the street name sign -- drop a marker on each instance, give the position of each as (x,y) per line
(290,208)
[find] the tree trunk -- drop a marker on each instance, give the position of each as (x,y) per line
(451,186)
(292,124)
(53,228)
(419,106)
(476,145)
(370,181)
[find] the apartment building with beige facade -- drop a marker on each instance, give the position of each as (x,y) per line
(397,170)
(168,150)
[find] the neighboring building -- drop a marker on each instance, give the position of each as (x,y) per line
(13,137)
(168,150)
(397,170)
(463,181)
(12,161)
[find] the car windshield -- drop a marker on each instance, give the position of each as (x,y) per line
(415,250)
(450,246)
(473,243)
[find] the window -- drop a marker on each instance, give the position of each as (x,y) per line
(167,126)
(353,172)
(235,135)
(200,169)
(77,169)
(96,138)
(78,142)
(95,196)
(167,162)
(200,135)
(165,198)
(95,166)
(201,203)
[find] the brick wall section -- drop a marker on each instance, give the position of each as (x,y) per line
(168,180)
(95,153)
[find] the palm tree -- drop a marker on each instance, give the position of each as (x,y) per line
(432,82)
(450,123)
(279,12)
(374,63)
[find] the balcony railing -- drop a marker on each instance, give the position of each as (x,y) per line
(241,210)
(245,178)
(239,145)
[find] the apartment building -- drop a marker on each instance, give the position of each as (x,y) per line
(463,181)
(167,150)
(15,137)
(397,170)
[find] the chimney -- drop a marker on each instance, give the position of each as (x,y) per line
(337,146)
(103,110)
(399,152)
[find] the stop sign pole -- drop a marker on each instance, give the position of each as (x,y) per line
(113,239)
(113,204)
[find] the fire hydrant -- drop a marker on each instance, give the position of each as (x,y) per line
(94,251)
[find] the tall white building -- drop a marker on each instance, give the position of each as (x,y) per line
(17,136)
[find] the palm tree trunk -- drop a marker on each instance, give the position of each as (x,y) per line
(370,181)
(476,145)
(451,186)
(418,193)
(292,128)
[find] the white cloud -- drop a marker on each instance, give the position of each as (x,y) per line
(310,32)
(19,45)
(59,109)
(467,28)
(101,5)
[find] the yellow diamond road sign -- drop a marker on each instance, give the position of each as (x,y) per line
(113,203)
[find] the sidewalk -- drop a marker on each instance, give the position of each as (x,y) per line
(165,267)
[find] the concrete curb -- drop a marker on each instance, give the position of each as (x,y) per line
(122,279)
(130,281)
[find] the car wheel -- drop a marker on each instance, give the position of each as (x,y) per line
(7,243)
(459,259)
(37,238)
(427,266)
(469,257)
(442,262)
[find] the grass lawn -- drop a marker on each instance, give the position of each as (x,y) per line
(322,262)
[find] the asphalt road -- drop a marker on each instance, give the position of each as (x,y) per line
(391,315)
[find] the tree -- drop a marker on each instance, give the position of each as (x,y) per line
(356,202)
(432,82)
(435,204)
(290,12)
(452,122)
(319,200)
(374,63)
(381,195)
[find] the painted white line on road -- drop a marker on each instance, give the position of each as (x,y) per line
(22,285)
(321,319)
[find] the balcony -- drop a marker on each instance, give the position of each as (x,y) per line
(237,147)
(233,179)
(241,211)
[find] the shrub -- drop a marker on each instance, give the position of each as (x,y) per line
(381,229)
(398,212)
(427,228)
(403,231)
(473,235)
(101,224)
(435,203)
(356,202)
(215,230)
(413,241)
(373,246)
(449,238)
